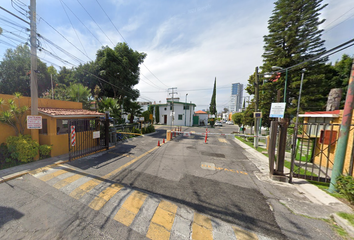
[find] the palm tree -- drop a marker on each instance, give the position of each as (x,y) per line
(79,93)
(111,105)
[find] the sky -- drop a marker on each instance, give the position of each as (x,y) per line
(188,43)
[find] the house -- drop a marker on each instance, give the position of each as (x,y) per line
(200,118)
(182,113)
(319,139)
(56,115)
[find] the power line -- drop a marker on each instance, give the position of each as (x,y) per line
(14,15)
(327,30)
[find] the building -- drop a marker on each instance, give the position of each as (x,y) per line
(145,105)
(56,116)
(182,113)
(236,97)
(200,118)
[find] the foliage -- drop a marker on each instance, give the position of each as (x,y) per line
(135,130)
(225,110)
(133,108)
(248,115)
(237,118)
(294,36)
(111,105)
(148,129)
(44,151)
(345,186)
(212,107)
(4,155)
(15,72)
(120,67)
(157,114)
(80,93)
(14,116)
(146,115)
(22,148)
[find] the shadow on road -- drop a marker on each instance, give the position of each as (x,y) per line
(8,214)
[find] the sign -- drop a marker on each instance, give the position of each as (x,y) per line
(96,134)
(257,114)
(34,122)
(186,134)
(73,136)
(141,119)
(277,110)
(151,117)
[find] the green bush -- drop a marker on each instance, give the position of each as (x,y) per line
(22,148)
(44,151)
(345,186)
(250,139)
(4,154)
(150,129)
(135,130)
(143,131)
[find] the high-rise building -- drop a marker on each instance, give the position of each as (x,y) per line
(236,97)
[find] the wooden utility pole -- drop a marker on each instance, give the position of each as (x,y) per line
(34,84)
(256,93)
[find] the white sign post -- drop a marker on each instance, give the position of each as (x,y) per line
(34,122)
(277,110)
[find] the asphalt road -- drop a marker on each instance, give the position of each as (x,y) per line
(183,189)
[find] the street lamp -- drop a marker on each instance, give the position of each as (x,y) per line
(185,111)
(286,78)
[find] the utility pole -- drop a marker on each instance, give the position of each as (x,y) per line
(51,80)
(256,93)
(34,84)
(185,111)
(344,131)
(172,93)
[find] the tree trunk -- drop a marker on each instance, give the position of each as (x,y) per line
(334,98)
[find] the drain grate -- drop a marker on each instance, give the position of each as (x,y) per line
(218,155)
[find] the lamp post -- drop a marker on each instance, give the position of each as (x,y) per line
(185,111)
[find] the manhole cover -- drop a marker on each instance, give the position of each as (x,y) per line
(218,155)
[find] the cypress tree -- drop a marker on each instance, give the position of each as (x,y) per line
(212,107)
(294,36)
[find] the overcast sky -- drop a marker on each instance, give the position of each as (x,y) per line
(188,43)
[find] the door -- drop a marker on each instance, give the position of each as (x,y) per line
(165,119)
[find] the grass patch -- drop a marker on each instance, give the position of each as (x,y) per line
(259,149)
(347,216)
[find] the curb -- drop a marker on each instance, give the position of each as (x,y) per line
(20,174)
(344,223)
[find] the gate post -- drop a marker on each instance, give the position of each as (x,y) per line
(106,127)
(272,143)
(281,147)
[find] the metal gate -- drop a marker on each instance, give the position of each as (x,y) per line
(313,151)
(87,136)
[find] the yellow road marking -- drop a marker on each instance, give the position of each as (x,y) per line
(49,176)
(130,208)
(244,235)
(68,180)
(162,221)
(88,186)
(201,227)
(223,140)
(80,191)
(104,196)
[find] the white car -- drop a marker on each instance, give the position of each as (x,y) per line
(218,124)
(229,123)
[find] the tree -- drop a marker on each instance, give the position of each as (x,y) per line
(79,93)
(133,108)
(237,118)
(294,36)
(15,72)
(225,110)
(157,114)
(212,107)
(120,67)
(14,116)
(110,105)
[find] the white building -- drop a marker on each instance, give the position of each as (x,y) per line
(236,97)
(182,112)
(202,117)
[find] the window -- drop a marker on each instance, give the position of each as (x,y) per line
(186,107)
(165,109)
(44,129)
(180,116)
(62,126)
(170,107)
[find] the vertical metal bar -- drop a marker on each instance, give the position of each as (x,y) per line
(329,152)
(272,144)
(301,148)
(321,157)
(69,134)
(307,152)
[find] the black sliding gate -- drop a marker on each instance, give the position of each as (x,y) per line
(87,136)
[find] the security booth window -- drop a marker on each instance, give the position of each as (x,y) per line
(180,116)
(186,107)
(62,126)
(44,129)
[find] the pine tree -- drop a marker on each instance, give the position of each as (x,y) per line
(294,36)
(212,107)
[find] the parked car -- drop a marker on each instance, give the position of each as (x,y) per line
(218,124)
(229,123)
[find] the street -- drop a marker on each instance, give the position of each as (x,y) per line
(184,189)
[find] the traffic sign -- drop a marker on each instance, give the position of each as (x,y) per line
(257,114)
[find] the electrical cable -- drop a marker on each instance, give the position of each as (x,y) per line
(14,15)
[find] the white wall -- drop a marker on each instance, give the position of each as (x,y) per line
(203,117)
(187,115)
